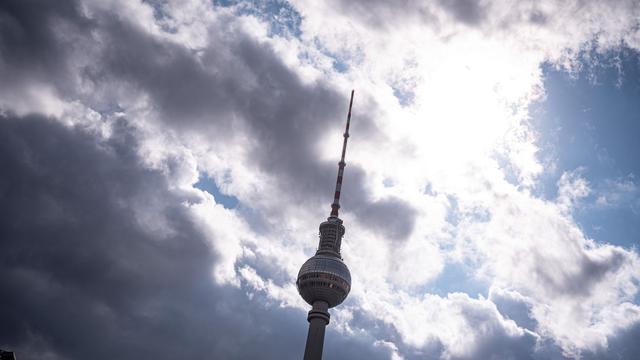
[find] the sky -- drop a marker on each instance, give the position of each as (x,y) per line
(165,164)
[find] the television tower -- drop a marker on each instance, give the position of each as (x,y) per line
(324,280)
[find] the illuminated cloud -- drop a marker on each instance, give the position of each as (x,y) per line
(128,127)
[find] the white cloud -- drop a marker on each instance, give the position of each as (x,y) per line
(618,193)
(468,75)
(571,188)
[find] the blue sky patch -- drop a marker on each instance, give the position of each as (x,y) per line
(590,120)
(458,277)
(283,19)
(207,184)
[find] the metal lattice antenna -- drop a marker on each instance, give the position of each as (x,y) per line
(335,206)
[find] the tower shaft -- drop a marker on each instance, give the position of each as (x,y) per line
(318,321)
(315,340)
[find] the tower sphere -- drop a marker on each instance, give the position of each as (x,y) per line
(324,278)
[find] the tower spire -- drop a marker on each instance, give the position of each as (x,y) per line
(335,206)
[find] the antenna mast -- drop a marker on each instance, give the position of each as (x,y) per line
(335,206)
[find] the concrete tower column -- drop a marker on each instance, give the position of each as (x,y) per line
(318,320)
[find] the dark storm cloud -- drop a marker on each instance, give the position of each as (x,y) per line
(185,91)
(82,279)
(467,11)
(235,76)
(30,43)
(80,276)
(25,36)
(392,217)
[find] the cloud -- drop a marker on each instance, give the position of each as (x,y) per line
(82,277)
(108,241)
(450,335)
(35,40)
(539,252)
(571,188)
(617,193)
(621,346)
(467,11)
